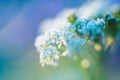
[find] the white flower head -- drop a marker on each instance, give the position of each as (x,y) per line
(65,38)
(49,56)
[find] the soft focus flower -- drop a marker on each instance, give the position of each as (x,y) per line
(49,56)
(88,27)
(66,37)
(56,42)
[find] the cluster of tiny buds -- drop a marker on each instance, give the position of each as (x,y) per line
(68,39)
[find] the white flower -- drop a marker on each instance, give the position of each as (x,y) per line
(66,37)
(58,41)
(49,56)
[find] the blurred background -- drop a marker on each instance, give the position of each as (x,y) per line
(19,24)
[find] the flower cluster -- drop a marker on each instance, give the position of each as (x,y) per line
(66,40)
(89,28)
(49,47)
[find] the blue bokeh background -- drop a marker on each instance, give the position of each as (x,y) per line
(19,23)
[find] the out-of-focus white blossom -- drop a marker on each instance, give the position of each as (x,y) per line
(53,45)
(49,56)
(65,39)
(56,42)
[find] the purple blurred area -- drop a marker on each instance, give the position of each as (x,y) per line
(19,23)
